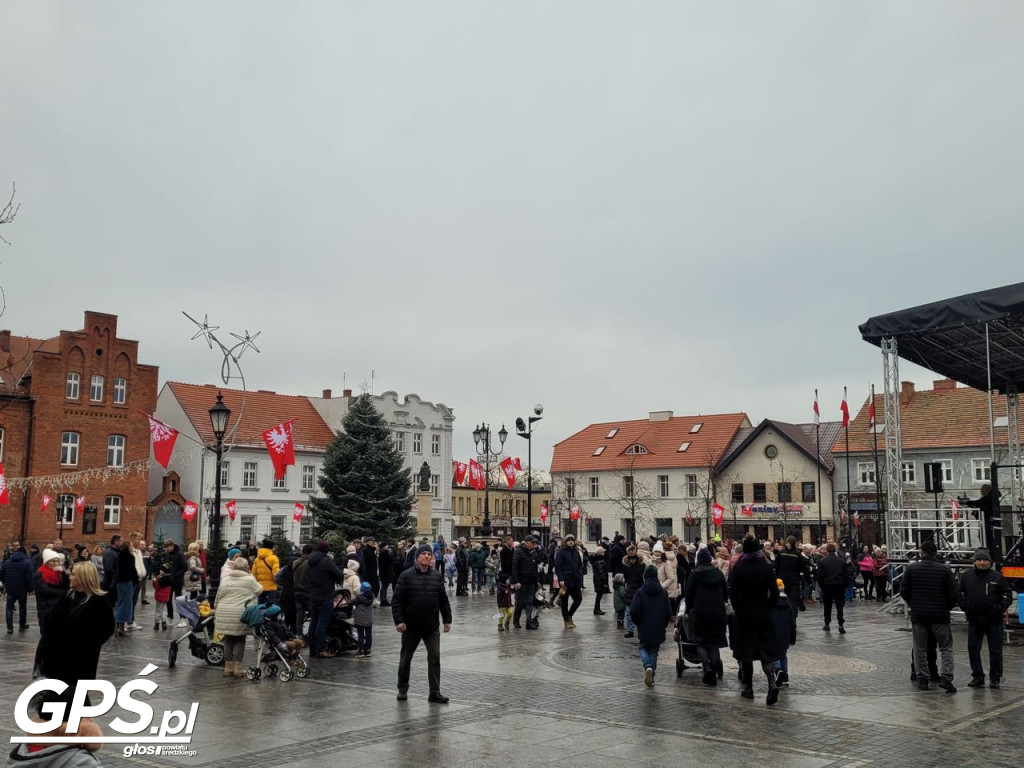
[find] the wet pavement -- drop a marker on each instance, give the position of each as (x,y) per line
(571,698)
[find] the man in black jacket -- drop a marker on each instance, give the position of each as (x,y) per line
(370,567)
(461,569)
(930,591)
(172,555)
(508,551)
(568,566)
(107,583)
(419,597)
(791,567)
(322,577)
(984,598)
(616,552)
(834,579)
(301,586)
(385,564)
(525,577)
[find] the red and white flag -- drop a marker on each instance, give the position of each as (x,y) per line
(689,519)
(856,518)
(190,510)
(476,475)
(460,472)
(543,513)
(508,467)
(717,513)
(747,509)
(871,414)
(956,510)
(163,438)
(518,464)
(300,510)
(842,517)
(80,504)
(232,508)
(817,413)
(5,493)
(46,503)
(574,513)
(280,446)
(845,409)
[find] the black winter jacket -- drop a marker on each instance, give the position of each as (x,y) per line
(299,571)
(984,595)
(929,589)
(615,555)
(461,558)
(16,574)
(600,570)
(569,567)
(126,567)
(790,565)
(321,577)
(73,633)
(505,556)
(370,569)
(525,566)
(109,567)
(48,595)
(706,595)
(385,564)
(178,566)
(285,580)
(651,611)
(832,572)
(419,597)
(633,570)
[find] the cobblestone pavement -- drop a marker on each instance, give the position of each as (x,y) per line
(572,698)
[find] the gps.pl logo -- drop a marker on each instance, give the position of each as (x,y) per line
(170,736)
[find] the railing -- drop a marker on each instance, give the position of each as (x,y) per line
(956,533)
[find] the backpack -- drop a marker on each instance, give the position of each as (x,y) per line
(252,616)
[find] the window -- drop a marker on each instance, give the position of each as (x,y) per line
(115,451)
(71,387)
(612,433)
(662,526)
(866,473)
(276,526)
(400,442)
(249,474)
(280,484)
(760,493)
(69,448)
(599,450)
(96,388)
(908,472)
(691,486)
(663,486)
(225,474)
(305,530)
(461,505)
(696,427)
(570,487)
(308,477)
(636,450)
(120,391)
(112,510)
(435,445)
(627,486)
(417,442)
(807,492)
(247,526)
(785,492)
(628,528)
(737,493)
(947,470)
(981,470)
(435,486)
(594,529)
(479,506)
(66,509)
(684,447)
(595,487)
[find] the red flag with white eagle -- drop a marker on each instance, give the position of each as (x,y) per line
(46,503)
(80,504)
(460,472)
(476,475)
(856,518)
(280,446)
(300,510)
(190,510)
(717,513)
(508,467)
(747,509)
(544,513)
(232,508)
(574,513)
(5,493)
(518,464)
(163,438)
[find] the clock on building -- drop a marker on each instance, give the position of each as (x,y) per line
(770,451)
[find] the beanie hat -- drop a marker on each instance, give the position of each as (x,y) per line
(751,546)
(643,545)
(322,546)
(704,556)
(781,584)
(659,547)
(599,551)
(424,548)
(272,611)
(50,554)
(351,549)
(365,586)
(650,572)
(982,554)
(165,568)
(233,551)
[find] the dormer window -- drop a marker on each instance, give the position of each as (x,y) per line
(612,433)
(635,450)
(600,450)
(684,447)
(696,427)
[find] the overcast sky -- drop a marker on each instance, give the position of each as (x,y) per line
(605,207)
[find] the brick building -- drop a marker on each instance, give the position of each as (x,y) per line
(70,427)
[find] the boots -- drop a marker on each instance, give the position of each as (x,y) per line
(619,624)
(709,675)
(570,624)
(239,669)
(229,667)
(773,687)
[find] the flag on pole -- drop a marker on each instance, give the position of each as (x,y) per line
(5,493)
(544,513)
(717,513)
(747,509)
(300,509)
(280,447)
(163,438)
(856,518)
(80,504)
(476,475)
(460,472)
(871,414)
(956,510)
(817,413)
(845,409)
(232,507)
(189,513)
(518,464)
(509,469)
(46,503)
(574,513)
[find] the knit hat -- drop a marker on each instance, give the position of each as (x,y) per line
(272,611)
(50,554)
(751,546)
(643,545)
(233,551)
(322,546)
(704,556)
(424,548)
(351,549)
(599,551)
(781,584)
(365,586)
(659,547)
(650,572)
(570,537)
(979,554)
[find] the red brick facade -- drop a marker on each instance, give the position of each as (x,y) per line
(36,412)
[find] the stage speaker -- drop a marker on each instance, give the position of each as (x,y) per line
(933,477)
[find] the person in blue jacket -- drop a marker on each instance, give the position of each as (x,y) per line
(16,575)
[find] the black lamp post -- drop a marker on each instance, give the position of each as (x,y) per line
(219,416)
(525,430)
(482,441)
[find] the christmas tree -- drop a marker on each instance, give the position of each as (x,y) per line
(366,489)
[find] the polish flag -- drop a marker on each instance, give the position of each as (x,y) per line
(518,464)
(460,472)
(300,509)
(476,475)
(46,503)
(817,413)
(79,503)
(747,509)
(846,412)
(189,513)
(163,438)
(280,447)
(508,467)
(956,510)
(856,518)
(232,508)
(717,513)
(543,513)
(5,493)
(574,513)
(871,415)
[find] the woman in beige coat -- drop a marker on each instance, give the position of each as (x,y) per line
(667,574)
(236,592)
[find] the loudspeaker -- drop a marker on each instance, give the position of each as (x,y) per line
(933,477)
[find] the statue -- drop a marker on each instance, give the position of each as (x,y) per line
(425,477)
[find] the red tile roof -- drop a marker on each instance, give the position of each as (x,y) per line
(258,411)
(943,417)
(662,440)
(14,364)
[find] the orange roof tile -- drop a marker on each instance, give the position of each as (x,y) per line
(14,364)
(943,417)
(258,410)
(662,440)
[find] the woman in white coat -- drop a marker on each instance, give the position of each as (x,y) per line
(665,559)
(236,592)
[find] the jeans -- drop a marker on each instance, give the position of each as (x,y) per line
(410,642)
(319,618)
(123,609)
(837,595)
(524,601)
(364,637)
(630,626)
(478,578)
(943,640)
(576,594)
(385,585)
(22,602)
(975,634)
(649,656)
(782,665)
(491,579)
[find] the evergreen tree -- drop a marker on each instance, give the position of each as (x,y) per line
(366,489)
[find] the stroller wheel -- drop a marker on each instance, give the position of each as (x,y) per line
(270,669)
(172,655)
(252,673)
(285,676)
(301,671)
(680,666)
(333,645)
(215,655)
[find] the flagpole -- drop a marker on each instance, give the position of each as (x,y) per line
(849,504)
(879,504)
(817,491)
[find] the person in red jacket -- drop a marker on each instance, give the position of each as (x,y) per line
(163,584)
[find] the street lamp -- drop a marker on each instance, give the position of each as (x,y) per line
(219,416)
(525,430)
(482,441)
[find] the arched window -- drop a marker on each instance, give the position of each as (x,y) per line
(636,449)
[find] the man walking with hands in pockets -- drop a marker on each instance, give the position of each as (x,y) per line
(419,597)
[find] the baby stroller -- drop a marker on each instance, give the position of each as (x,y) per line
(199,636)
(683,633)
(268,657)
(340,631)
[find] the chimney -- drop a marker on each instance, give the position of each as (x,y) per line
(327,394)
(346,393)
(906,391)
(5,341)
(660,415)
(944,384)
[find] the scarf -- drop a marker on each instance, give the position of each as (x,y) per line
(49,575)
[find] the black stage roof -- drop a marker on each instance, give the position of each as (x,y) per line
(948,336)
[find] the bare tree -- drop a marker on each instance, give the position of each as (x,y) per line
(9,211)
(633,496)
(784,480)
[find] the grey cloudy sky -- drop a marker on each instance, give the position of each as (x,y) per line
(606,207)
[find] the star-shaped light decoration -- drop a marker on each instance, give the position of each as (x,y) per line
(245,342)
(205,329)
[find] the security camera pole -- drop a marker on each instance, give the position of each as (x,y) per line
(526,431)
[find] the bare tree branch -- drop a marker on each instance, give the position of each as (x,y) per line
(9,211)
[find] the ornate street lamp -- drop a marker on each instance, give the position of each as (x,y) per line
(219,416)
(525,430)
(482,441)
